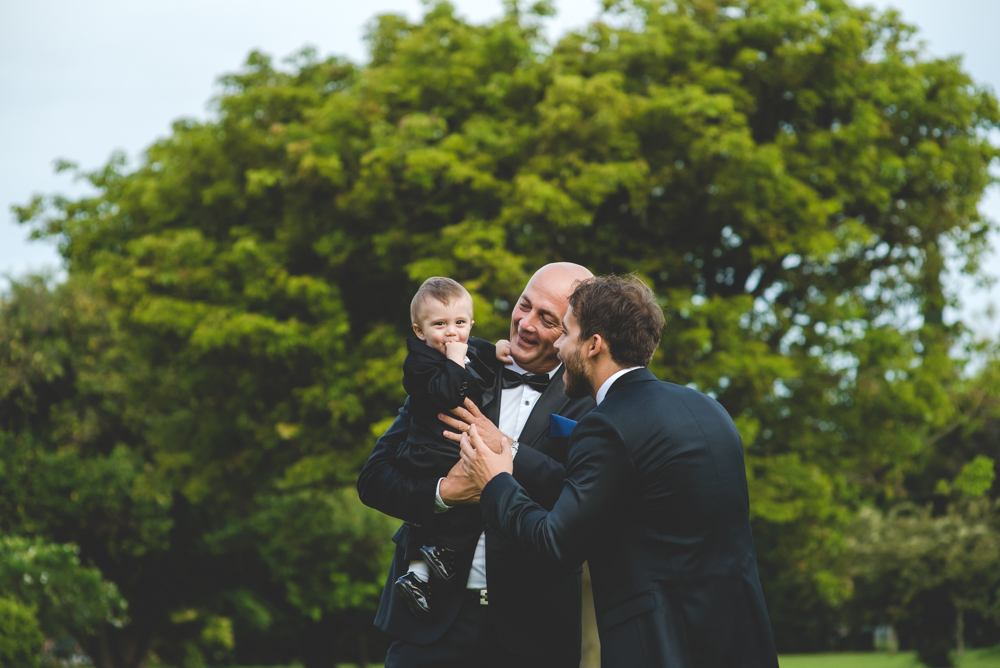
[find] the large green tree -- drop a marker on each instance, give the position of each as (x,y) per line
(82,417)
(789,175)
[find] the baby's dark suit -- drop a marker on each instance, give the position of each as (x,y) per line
(436,384)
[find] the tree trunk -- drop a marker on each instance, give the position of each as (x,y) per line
(363,659)
(120,648)
(318,643)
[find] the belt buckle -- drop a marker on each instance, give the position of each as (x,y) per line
(483,597)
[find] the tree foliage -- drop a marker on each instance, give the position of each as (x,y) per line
(788,175)
(20,637)
(927,561)
(67,596)
(80,457)
(917,565)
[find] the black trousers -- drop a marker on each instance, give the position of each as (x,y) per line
(470,642)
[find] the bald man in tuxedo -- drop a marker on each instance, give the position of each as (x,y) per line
(507,611)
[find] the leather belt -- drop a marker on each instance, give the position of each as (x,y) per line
(477,596)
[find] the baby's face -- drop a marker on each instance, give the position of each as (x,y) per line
(439,323)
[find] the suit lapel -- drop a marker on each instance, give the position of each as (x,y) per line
(552,401)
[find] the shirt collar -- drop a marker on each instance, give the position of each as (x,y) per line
(603,392)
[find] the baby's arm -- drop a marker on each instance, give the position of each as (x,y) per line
(503,351)
(443,382)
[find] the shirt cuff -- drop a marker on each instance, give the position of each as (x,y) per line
(439,505)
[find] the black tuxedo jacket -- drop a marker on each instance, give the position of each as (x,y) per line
(655,498)
(534,607)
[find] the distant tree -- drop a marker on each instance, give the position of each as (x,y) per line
(20,637)
(928,568)
(787,174)
(68,598)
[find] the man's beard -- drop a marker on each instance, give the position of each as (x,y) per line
(575,376)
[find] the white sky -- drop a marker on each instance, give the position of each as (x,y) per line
(81,79)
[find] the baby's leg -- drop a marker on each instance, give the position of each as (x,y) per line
(416,590)
(419,570)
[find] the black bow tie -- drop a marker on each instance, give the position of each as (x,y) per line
(536,381)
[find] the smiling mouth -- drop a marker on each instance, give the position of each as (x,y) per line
(524,341)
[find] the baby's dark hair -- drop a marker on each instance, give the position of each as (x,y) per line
(445,290)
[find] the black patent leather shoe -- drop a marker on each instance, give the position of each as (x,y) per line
(417,594)
(440,560)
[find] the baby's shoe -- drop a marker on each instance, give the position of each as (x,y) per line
(441,561)
(417,593)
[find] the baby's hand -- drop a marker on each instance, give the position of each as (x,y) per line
(455,351)
(503,351)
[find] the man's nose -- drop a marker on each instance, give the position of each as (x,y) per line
(528,322)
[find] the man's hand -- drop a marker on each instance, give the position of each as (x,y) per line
(469,416)
(481,462)
(455,351)
(457,488)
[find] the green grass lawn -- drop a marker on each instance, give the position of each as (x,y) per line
(980,658)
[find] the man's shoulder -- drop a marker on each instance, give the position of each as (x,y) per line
(658,404)
(484,350)
(482,344)
(646,389)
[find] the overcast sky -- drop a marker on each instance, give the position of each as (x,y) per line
(80,79)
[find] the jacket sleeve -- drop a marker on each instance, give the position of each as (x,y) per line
(599,477)
(446,385)
(390,490)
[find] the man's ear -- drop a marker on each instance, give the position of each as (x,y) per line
(596,346)
(419,332)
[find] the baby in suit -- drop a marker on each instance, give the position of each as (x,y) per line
(444,366)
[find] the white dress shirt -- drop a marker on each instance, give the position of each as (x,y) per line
(516,405)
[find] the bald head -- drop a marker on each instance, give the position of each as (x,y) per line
(536,322)
(561,277)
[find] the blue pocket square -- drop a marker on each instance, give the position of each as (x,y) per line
(560,426)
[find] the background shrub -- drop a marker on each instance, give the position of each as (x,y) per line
(20,637)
